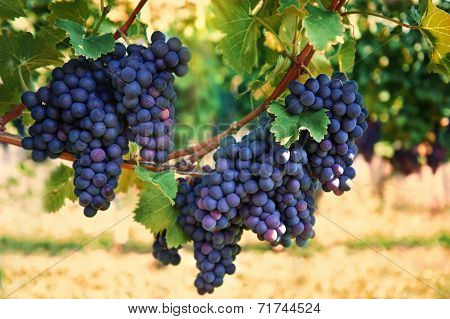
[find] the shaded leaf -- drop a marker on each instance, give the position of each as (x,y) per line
(10,9)
(76,11)
(21,52)
(322,27)
(89,46)
(58,187)
(435,25)
(286,126)
(286,4)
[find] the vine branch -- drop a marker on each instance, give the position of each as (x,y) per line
(398,22)
(180,167)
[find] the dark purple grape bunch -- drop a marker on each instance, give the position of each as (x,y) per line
(77,113)
(164,254)
(331,160)
(214,253)
(257,180)
(143,79)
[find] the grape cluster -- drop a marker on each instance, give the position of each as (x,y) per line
(271,194)
(214,252)
(93,108)
(76,113)
(164,254)
(331,160)
(263,183)
(143,83)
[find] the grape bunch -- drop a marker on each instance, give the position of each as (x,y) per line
(263,183)
(331,160)
(164,254)
(93,108)
(214,252)
(143,84)
(272,195)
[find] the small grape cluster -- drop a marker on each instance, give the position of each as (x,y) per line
(214,252)
(164,254)
(143,84)
(331,160)
(93,108)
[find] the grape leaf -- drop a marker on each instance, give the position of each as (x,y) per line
(156,212)
(164,180)
(10,9)
(58,187)
(21,52)
(127,179)
(239,45)
(274,77)
(76,11)
(322,27)
(286,127)
(286,4)
(435,26)
(89,46)
(346,55)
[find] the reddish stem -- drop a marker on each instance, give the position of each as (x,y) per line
(130,20)
(11,115)
(333,5)
(340,4)
(183,168)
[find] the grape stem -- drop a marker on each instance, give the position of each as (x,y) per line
(180,168)
(413,27)
(130,20)
(105,12)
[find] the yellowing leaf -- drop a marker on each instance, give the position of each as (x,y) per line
(435,25)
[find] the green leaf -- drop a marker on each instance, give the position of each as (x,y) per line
(10,9)
(239,45)
(21,52)
(322,27)
(76,11)
(164,180)
(320,64)
(435,26)
(274,77)
(58,187)
(89,46)
(156,212)
(346,55)
(286,4)
(286,127)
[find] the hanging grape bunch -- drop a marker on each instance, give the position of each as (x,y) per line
(331,160)
(92,109)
